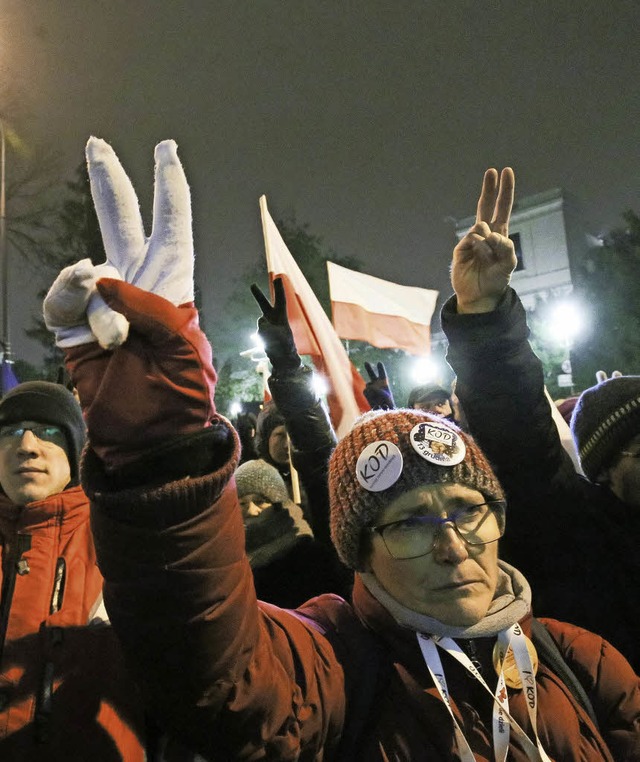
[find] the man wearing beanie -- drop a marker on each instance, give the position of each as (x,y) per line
(436,658)
(433,398)
(606,427)
(575,538)
(60,663)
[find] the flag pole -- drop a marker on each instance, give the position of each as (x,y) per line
(295,480)
(264,211)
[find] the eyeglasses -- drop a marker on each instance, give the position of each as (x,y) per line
(417,535)
(45,432)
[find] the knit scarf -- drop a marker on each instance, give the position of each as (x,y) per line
(274,532)
(511,602)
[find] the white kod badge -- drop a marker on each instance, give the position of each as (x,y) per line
(379,466)
(438,444)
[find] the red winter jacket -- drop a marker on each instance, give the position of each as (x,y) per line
(245,681)
(64,691)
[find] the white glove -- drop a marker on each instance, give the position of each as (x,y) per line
(162,263)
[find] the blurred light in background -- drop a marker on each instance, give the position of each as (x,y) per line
(424,369)
(566,321)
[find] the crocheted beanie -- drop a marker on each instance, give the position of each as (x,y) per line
(280,526)
(257,477)
(354,507)
(45,402)
(604,419)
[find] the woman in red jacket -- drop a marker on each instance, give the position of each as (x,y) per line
(435,659)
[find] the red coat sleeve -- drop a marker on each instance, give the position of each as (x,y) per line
(225,675)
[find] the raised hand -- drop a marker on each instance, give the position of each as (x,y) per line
(377,391)
(161,263)
(485,258)
(137,392)
(274,328)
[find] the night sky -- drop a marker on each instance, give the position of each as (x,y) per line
(372,121)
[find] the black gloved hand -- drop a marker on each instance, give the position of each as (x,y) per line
(274,328)
(377,391)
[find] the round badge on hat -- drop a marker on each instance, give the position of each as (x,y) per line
(379,466)
(438,443)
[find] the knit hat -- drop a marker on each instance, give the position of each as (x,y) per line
(604,419)
(45,402)
(425,392)
(256,477)
(269,419)
(353,507)
(279,527)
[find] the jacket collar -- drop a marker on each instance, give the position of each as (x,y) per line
(70,504)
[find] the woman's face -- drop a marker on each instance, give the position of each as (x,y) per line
(455,582)
(252,505)
(279,445)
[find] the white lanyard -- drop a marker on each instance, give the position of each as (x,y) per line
(502,719)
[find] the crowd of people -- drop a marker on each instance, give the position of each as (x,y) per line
(440,584)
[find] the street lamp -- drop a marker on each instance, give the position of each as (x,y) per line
(566,321)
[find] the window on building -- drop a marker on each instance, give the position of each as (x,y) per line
(515,237)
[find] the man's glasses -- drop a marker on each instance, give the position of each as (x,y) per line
(417,535)
(45,432)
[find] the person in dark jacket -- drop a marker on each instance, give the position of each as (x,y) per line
(289,565)
(418,668)
(575,538)
(298,412)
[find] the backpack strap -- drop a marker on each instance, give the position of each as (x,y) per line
(550,655)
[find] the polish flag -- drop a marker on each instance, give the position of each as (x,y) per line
(382,313)
(312,330)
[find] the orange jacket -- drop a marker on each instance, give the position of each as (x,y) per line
(64,691)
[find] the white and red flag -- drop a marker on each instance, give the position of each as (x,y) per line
(382,313)
(312,330)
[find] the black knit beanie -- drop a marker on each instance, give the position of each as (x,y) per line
(604,419)
(269,419)
(44,402)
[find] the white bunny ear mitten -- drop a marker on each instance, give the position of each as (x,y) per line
(65,304)
(65,307)
(161,264)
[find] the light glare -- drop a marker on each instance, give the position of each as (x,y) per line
(320,385)
(566,322)
(423,369)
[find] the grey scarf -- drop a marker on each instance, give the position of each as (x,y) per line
(274,532)
(511,602)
